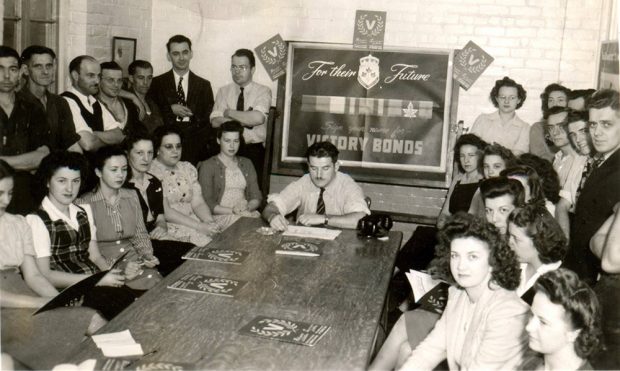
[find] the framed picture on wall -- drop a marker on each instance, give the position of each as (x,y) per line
(123,52)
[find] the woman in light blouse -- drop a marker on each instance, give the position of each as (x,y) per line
(482,326)
(181,188)
(118,216)
(44,340)
(229,183)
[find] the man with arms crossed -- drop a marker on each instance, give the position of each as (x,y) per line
(23,132)
(94,128)
(247,102)
(324,196)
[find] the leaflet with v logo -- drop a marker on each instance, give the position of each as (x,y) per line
(195,282)
(216,255)
(295,332)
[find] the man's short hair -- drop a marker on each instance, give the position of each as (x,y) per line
(604,98)
(8,52)
(111,66)
(179,39)
(574,116)
(139,63)
(36,49)
(76,62)
(246,53)
(323,149)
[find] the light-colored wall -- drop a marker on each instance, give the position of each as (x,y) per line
(534,42)
(88,26)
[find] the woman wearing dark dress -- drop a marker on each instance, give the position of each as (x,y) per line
(468,155)
(154,205)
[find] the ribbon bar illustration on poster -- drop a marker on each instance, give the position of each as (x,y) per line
(382,109)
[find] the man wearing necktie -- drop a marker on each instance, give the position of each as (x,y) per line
(601,190)
(247,102)
(186,100)
(323,197)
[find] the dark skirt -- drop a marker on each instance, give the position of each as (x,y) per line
(170,254)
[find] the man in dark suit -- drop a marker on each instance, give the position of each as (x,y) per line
(186,100)
(601,190)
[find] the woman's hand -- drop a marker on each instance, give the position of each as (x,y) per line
(209,228)
(114,278)
(159,233)
(150,261)
(240,207)
(132,270)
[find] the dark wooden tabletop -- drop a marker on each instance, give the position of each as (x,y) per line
(344,288)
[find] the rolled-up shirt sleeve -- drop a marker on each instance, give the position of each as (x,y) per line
(289,199)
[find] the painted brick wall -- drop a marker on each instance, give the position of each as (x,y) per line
(534,42)
(91,24)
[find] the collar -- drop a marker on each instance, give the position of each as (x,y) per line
(177,76)
(56,214)
(87,100)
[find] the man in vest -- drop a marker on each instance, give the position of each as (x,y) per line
(95,129)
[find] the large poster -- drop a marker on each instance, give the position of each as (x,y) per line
(383,109)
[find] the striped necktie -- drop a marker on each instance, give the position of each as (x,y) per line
(320,205)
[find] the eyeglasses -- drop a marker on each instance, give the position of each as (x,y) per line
(172,146)
(511,98)
(235,68)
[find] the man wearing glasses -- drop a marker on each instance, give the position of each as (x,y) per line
(247,102)
(186,100)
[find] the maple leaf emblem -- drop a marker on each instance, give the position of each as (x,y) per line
(410,112)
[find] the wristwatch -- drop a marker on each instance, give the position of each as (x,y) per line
(326,220)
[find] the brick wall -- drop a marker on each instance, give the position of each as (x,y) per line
(91,24)
(534,42)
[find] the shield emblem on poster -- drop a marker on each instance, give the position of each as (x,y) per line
(368,73)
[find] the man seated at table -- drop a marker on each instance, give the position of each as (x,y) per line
(324,196)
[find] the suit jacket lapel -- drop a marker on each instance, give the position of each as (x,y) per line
(171,89)
(610,165)
(191,88)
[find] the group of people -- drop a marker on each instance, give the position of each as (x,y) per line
(530,224)
(127,178)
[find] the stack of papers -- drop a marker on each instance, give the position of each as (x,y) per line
(421,283)
(118,344)
(311,232)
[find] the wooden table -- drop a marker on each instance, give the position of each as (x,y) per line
(344,288)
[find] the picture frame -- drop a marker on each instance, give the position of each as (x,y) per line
(124,52)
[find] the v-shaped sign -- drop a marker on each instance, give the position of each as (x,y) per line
(218,285)
(273,52)
(473,61)
(370,24)
(273,327)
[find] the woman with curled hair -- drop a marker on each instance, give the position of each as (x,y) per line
(531,184)
(504,126)
(482,326)
(194,222)
(468,156)
(554,95)
(537,239)
(495,158)
(565,323)
(228,181)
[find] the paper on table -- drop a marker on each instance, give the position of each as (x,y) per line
(421,283)
(311,232)
(118,344)
(113,338)
(122,350)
